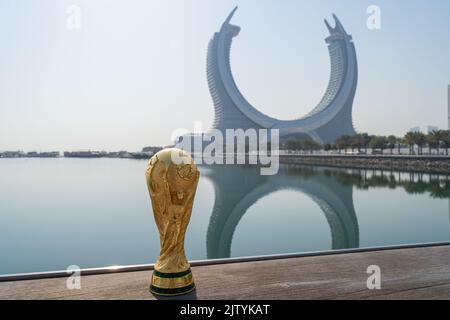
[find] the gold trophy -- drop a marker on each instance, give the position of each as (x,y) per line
(172,179)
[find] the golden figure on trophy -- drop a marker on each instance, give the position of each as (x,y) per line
(172,179)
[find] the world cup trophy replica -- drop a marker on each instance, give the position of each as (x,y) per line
(172,179)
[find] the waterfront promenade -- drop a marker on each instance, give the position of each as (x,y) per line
(423,163)
(406,273)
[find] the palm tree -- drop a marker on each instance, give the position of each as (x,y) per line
(342,143)
(310,145)
(363,141)
(338,144)
(391,141)
(378,142)
(399,145)
(347,141)
(328,147)
(420,140)
(410,140)
(436,137)
(431,141)
(446,140)
(293,145)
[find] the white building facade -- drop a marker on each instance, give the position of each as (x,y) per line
(329,120)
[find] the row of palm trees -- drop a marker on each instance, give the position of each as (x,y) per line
(302,145)
(437,140)
(366,141)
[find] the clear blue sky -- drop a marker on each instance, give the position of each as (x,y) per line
(136,69)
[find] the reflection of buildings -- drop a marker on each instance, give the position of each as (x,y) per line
(238,188)
(329,120)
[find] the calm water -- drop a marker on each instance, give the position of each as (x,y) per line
(93,213)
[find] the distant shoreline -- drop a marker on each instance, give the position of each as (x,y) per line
(77,154)
(438,164)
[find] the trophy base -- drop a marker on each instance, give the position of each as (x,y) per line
(172,284)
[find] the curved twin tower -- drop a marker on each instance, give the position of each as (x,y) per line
(329,120)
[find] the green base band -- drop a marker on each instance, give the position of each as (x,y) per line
(171,275)
(172,292)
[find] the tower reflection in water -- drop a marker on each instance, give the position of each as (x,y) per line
(237,188)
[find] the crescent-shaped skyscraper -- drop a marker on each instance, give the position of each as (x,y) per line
(329,120)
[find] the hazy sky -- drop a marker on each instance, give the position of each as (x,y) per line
(136,70)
